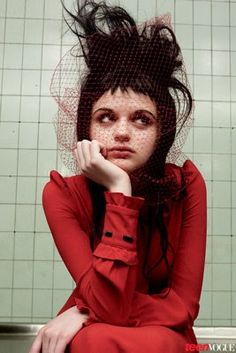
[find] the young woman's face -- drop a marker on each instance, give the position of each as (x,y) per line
(127,124)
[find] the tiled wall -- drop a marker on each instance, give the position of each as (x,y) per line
(33,281)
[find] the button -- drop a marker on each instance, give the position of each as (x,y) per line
(108,234)
(128,238)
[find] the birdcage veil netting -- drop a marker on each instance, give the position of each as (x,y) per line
(115,52)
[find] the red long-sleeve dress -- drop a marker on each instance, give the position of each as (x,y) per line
(110,286)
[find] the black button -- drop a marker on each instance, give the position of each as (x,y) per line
(128,238)
(108,234)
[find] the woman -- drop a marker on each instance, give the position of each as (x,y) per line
(131,224)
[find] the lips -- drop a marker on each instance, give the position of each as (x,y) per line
(122,149)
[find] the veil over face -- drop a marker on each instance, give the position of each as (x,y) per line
(115,55)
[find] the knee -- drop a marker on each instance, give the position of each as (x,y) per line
(94,338)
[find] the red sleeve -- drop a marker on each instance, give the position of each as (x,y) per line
(106,278)
(181,306)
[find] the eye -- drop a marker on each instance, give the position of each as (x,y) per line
(106,117)
(145,120)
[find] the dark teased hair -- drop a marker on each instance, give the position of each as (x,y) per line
(158,84)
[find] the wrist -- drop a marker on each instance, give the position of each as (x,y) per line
(123,187)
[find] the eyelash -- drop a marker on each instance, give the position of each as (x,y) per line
(148,120)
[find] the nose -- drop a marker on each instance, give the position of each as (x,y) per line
(121,130)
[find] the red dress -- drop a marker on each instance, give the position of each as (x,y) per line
(123,316)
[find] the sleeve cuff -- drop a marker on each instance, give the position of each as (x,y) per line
(119,199)
(84,309)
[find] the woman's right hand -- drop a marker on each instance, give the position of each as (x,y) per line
(91,157)
(58,332)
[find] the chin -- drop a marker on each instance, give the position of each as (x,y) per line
(124,164)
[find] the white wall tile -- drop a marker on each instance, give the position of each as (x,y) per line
(28,135)
(221,88)
(11,82)
(221,194)
(25,216)
(220,38)
(31,82)
(14,30)
(23,249)
(29,109)
(48,109)
(26,189)
(2,29)
(32,56)
(202,114)
(53,9)
(221,167)
(10,108)
(188,60)
(8,162)
(221,305)
(15,8)
(46,162)
(202,12)
(23,274)
(41,223)
(220,13)
(7,189)
(61,276)
(233,88)
(202,87)
(41,181)
(233,212)
(6,274)
(13,56)
(232,14)
(221,140)
(183,12)
(42,299)
(33,31)
(43,246)
(3,8)
(47,137)
(45,82)
(27,162)
(8,135)
(233,160)
(5,301)
(203,161)
(22,299)
(7,244)
(202,37)
(184,35)
(43,274)
(220,63)
(146,12)
(202,140)
(52,32)
(232,38)
(221,114)
(221,250)
(51,56)
(202,62)
(221,221)
(234,194)
(34,9)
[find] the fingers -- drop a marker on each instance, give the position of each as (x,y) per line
(36,346)
(88,151)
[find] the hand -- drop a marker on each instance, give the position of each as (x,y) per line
(91,159)
(57,333)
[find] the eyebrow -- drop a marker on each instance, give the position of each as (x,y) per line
(136,111)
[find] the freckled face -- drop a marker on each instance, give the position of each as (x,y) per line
(127,123)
